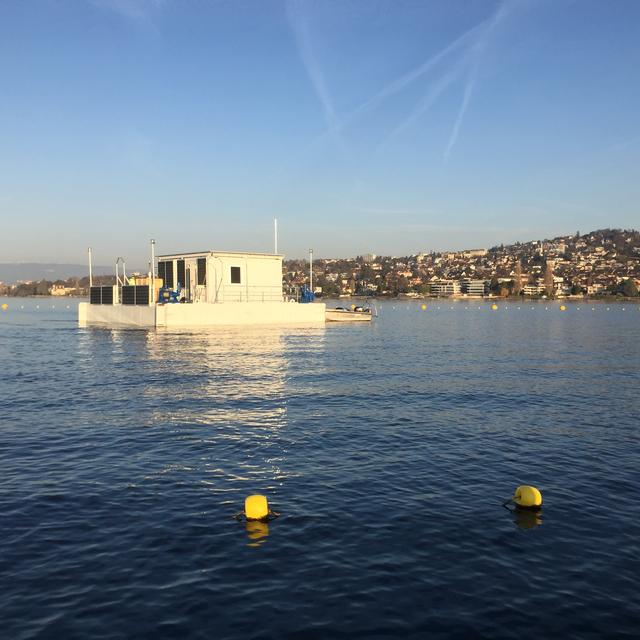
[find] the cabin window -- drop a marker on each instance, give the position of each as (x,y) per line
(202,270)
(165,271)
(181,275)
(235,275)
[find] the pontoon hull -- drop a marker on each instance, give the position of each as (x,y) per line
(201,314)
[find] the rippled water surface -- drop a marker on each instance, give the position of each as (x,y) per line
(388,449)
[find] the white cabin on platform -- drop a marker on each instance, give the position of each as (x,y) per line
(223,276)
(205,289)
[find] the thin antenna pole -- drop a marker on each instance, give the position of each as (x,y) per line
(275,235)
(90,268)
(311,270)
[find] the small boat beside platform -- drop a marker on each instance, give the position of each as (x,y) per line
(340,314)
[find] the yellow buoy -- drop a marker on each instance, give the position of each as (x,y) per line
(353,306)
(5,306)
(527,497)
(563,308)
(424,307)
(256,507)
(494,306)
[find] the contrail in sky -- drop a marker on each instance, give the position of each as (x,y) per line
(472,42)
(453,138)
(295,14)
(140,11)
(476,51)
(429,99)
(411,76)
(335,125)
(425,67)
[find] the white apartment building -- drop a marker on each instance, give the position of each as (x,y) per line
(445,287)
(474,287)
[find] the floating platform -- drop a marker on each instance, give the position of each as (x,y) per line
(201,314)
(202,289)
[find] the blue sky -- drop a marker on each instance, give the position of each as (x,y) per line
(390,127)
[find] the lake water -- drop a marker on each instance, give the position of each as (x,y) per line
(387,448)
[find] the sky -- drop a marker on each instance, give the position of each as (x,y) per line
(369,126)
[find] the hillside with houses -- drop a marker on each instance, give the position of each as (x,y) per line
(601,263)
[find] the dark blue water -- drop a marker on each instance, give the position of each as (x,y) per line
(388,450)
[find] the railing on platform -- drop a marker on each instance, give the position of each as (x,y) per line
(257,293)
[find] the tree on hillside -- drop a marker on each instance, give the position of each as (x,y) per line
(517,280)
(43,287)
(548,280)
(329,288)
(628,288)
(367,273)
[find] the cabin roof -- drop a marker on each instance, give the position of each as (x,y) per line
(204,254)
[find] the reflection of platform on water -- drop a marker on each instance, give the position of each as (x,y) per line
(224,377)
(232,376)
(222,399)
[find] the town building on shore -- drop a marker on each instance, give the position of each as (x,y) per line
(474,287)
(445,288)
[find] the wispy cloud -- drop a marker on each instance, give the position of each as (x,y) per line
(468,89)
(454,228)
(458,61)
(400,215)
(552,207)
(132,149)
(428,100)
(477,50)
(414,74)
(470,44)
(624,144)
(397,211)
(141,12)
(298,20)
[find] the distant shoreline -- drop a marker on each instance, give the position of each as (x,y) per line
(488,298)
(608,299)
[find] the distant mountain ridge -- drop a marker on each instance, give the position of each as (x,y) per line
(12,272)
